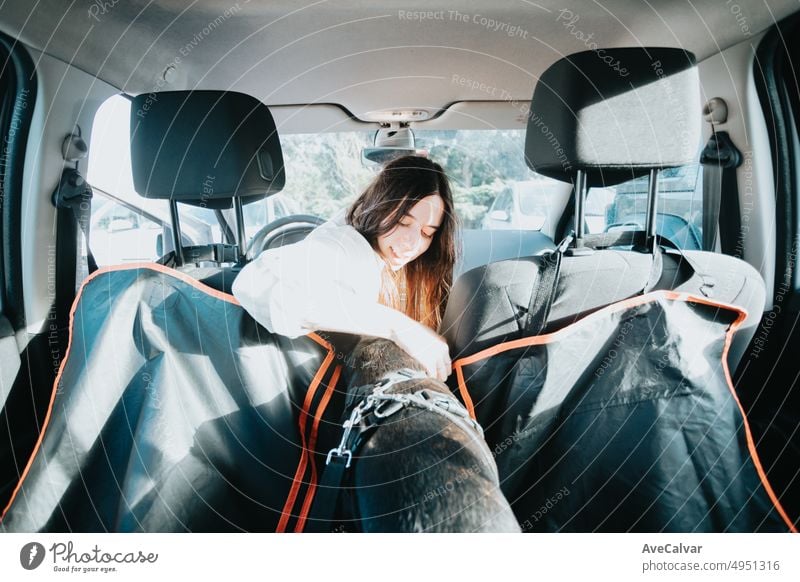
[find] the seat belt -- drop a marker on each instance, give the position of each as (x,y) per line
(721,218)
(73,201)
(74,195)
(543,293)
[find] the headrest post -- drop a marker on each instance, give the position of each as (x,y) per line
(176,232)
(240,232)
(581,188)
(652,207)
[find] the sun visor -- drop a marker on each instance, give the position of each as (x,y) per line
(615,113)
(204,148)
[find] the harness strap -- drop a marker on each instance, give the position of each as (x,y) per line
(326,501)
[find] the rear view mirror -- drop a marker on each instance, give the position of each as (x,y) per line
(391,143)
(383,156)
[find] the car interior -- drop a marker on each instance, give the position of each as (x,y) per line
(625,178)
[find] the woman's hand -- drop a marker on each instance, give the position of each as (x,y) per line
(427,347)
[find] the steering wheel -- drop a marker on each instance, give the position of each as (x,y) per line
(284,231)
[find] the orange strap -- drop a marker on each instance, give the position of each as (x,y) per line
(312,443)
(305,455)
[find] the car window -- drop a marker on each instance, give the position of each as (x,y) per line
(324,173)
(503,202)
(109,173)
(492,186)
(530,203)
(679,207)
(120,235)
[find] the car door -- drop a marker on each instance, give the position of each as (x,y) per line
(767,382)
(24,388)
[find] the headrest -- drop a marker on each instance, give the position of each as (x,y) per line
(616,114)
(204,148)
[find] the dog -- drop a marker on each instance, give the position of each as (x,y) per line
(421,471)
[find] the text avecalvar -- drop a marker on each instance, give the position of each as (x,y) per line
(671,549)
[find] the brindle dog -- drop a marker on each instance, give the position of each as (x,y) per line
(420,471)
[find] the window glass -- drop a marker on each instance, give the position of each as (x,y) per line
(503,202)
(530,203)
(679,206)
(109,173)
(324,174)
(120,235)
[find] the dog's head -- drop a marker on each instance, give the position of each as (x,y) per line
(374,358)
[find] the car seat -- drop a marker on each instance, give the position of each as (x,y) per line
(600,372)
(210,149)
(173,409)
(587,126)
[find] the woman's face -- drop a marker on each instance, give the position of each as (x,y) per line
(413,234)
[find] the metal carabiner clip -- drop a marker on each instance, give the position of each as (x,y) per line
(387,407)
(339,453)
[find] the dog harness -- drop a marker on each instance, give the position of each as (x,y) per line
(374,405)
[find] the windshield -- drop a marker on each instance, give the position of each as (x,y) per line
(492,186)
(324,172)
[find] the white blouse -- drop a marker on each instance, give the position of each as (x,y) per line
(334,267)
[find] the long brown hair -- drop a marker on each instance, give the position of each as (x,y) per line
(391,195)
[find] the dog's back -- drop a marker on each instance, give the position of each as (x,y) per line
(421,471)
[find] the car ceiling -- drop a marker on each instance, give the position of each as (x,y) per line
(364,56)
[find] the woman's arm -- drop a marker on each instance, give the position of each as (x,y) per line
(312,286)
(292,312)
(374,319)
(348,315)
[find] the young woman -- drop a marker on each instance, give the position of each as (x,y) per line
(383,269)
